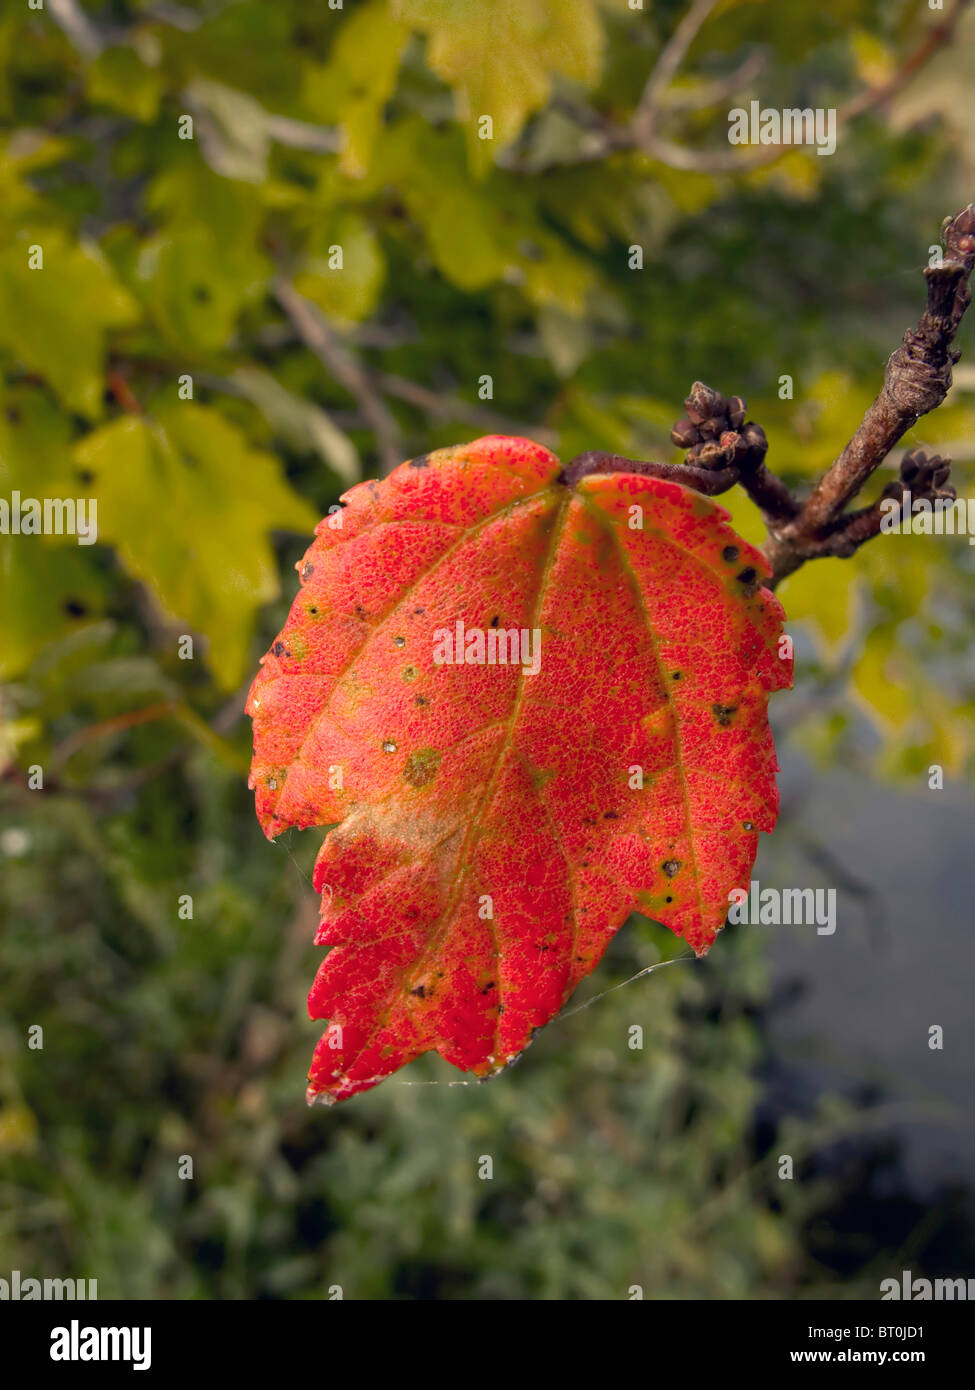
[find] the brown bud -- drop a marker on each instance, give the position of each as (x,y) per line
(736,411)
(685,434)
(912,464)
(754,437)
(710,455)
(703,402)
(730,443)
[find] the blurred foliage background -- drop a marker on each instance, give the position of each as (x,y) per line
(192,355)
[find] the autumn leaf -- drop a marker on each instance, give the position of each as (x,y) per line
(495,821)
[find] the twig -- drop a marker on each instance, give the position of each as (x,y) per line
(302,135)
(723,449)
(315,333)
(937,37)
(91,733)
(75,24)
(176,710)
(720,89)
(671,56)
(449,407)
(710,481)
(607,137)
(916,381)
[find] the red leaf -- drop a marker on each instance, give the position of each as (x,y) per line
(493,832)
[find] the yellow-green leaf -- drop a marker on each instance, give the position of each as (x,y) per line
(188,505)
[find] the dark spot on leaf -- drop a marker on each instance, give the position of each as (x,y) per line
(420,991)
(75,608)
(419,612)
(730,553)
(278,649)
(611,815)
(410,673)
(360,612)
(421,766)
(748,579)
(488,987)
(13,414)
(676,675)
(495,620)
(670,900)
(86,477)
(399,641)
(313,610)
(671,867)
(307,570)
(201,294)
(723,714)
(747,825)
(421,700)
(421,461)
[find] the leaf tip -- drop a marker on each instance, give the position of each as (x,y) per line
(315,1097)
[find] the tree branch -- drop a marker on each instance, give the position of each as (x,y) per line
(671,56)
(452,408)
(723,448)
(639,135)
(916,381)
(316,334)
(77,27)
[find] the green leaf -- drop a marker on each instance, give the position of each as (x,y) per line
(54,320)
(358,80)
(232,129)
(46,592)
(824,595)
(199,272)
(120,79)
(348,292)
(500,56)
(188,504)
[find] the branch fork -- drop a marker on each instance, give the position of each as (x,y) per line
(725,449)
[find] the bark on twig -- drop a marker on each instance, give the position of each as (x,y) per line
(916,381)
(724,449)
